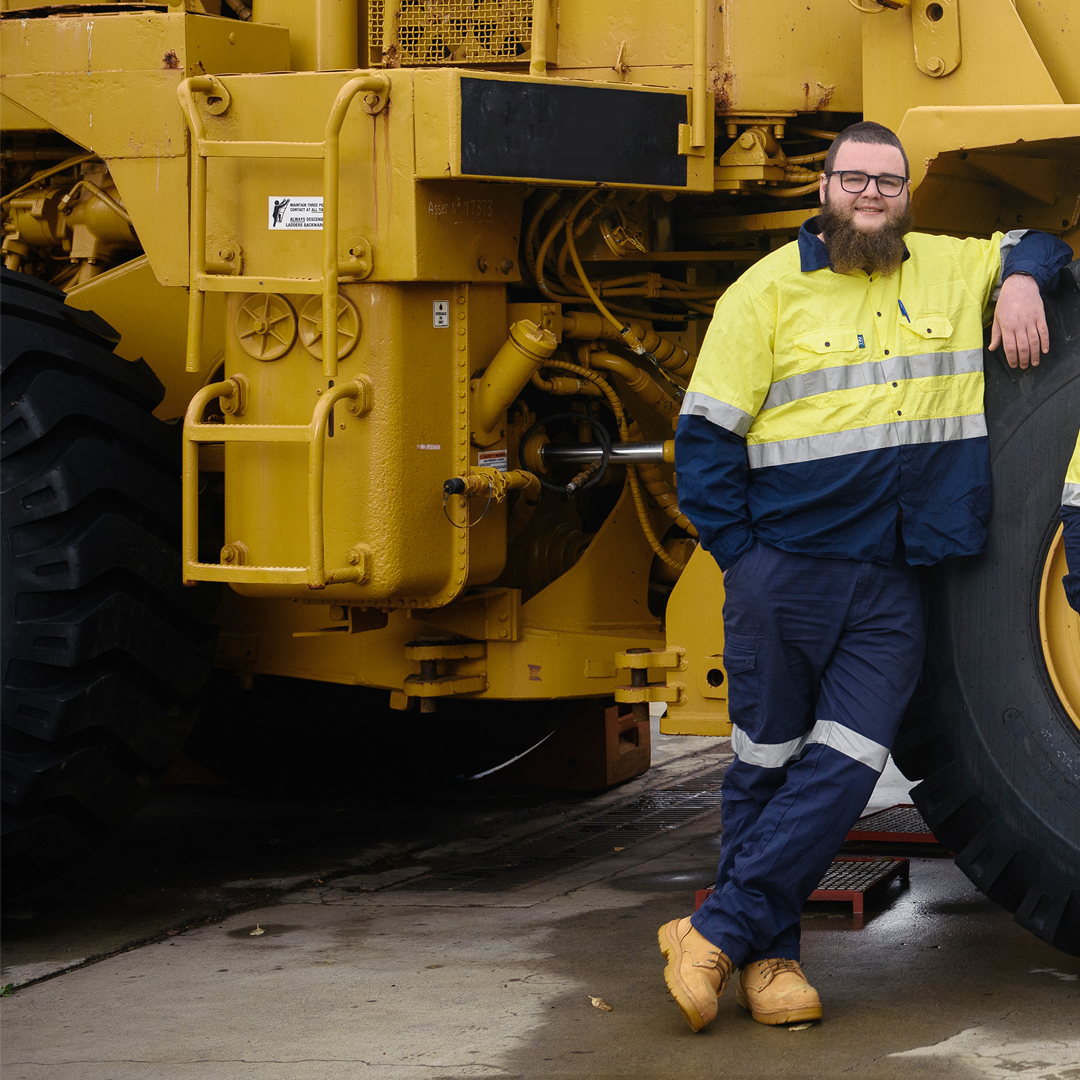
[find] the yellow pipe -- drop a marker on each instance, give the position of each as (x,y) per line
(189,479)
(197,225)
(700,113)
(625,332)
(391,33)
(521,355)
(378,84)
(638,382)
(316,462)
(538,63)
(561,385)
(36,179)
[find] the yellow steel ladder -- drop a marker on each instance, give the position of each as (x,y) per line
(232,392)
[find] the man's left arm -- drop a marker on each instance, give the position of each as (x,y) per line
(1029,270)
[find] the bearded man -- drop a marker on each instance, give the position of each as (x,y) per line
(831,441)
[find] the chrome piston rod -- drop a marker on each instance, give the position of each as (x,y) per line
(588,453)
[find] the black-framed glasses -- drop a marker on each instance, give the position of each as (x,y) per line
(854,182)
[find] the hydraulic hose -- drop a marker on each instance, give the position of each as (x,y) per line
(631,470)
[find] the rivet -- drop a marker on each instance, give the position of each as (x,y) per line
(462,331)
(504,633)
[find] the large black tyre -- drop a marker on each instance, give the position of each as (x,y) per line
(104,649)
(997,752)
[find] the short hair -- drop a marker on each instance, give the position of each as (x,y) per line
(865,132)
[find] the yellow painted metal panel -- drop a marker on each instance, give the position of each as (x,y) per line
(152,320)
(999,66)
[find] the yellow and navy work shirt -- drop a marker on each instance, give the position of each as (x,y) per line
(1070,518)
(824,406)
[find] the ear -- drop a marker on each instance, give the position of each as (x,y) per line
(822,184)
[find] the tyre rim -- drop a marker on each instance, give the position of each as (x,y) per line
(1059,628)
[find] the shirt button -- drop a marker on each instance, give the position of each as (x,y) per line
(879,314)
(886,352)
(827,344)
(899,412)
(896,384)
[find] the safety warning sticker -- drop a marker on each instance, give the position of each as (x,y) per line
(492,459)
(295,212)
(440,314)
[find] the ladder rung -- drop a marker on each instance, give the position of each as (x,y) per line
(276,575)
(246,149)
(239,283)
(205,433)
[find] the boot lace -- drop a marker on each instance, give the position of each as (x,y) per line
(778,966)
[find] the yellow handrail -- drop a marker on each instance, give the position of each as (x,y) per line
(378,84)
(314,434)
(328,150)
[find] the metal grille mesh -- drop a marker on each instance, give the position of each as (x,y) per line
(537,857)
(896,819)
(456,31)
(856,876)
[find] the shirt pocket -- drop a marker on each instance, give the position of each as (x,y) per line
(830,359)
(924,340)
(839,341)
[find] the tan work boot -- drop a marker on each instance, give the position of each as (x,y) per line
(696,971)
(776,992)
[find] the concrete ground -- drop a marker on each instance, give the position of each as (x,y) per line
(419,944)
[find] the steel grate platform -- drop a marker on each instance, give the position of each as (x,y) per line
(849,879)
(900,824)
(534,858)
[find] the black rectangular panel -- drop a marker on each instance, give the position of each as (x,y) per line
(554,131)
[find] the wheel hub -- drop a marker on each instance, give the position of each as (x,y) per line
(1059,629)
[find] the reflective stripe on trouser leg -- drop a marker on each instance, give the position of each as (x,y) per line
(826,655)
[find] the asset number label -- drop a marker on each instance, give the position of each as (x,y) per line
(295,212)
(440,314)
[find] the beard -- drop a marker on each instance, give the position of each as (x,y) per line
(851,248)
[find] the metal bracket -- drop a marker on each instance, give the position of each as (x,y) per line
(672,658)
(935,31)
(489,614)
(430,684)
(641,691)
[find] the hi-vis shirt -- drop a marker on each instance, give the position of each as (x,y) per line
(825,406)
(1070,518)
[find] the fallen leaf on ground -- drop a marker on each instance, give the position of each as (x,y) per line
(600,1003)
(799,1027)
(257,931)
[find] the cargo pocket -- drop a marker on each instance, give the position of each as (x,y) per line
(744,682)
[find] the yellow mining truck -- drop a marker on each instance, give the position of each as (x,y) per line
(344,339)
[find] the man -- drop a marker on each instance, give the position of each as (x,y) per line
(831,440)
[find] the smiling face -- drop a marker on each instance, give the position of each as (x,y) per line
(864,231)
(869,210)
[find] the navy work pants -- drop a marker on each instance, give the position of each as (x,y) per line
(822,657)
